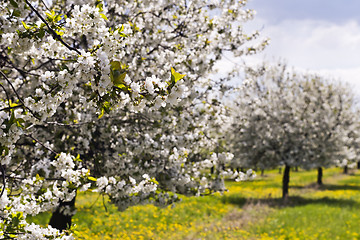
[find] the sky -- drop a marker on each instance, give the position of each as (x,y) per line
(312,35)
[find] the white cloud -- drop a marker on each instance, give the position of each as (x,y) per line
(350,76)
(316,44)
(328,48)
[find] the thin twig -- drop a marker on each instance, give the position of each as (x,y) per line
(3,178)
(13,88)
(95,201)
(9,108)
(47,179)
(103,198)
(36,140)
(55,35)
(69,124)
(7,96)
(43,2)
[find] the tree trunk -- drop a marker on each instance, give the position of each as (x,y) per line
(222,166)
(262,172)
(61,218)
(286,180)
(319,176)
(358,165)
(296,169)
(280,170)
(346,169)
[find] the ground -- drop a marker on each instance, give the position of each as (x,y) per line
(249,210)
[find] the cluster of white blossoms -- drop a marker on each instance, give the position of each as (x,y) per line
(125,87)
(284,117)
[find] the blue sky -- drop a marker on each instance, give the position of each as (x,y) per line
(312,35)
(336,11)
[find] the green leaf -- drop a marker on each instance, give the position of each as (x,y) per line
(105,108)
(12,2)
(123,87)
(175,76)
(92,179)
(59,33)
(12,104)
(117,73)
(19,122)
(4,149)
(58,18)
(115,65)
(38,177)
(41,33)
(16,13)
(100,6)
(50,16)
(102,113)
(104,17)
(77,159)
(119,80)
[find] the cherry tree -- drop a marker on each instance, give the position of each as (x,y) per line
(287,118)
(332,120)
(111,97)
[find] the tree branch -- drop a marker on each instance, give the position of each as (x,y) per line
(55,35)
(36,140)
(7,96)
(3,178)
(13,88)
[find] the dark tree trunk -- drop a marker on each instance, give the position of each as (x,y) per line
(319,176)
(296,169)
(222,166)
(59,219)
(358,165)
(262,172)
(286,180)
(212,170)
(280,170)
(346,170)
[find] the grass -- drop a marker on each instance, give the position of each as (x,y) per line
(249,210)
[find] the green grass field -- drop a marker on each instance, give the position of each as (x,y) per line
(249,210)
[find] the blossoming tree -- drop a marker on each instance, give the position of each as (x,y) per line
(94,97)
(286,118)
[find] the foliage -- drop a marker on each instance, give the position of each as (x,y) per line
(288,118)
(111,97)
